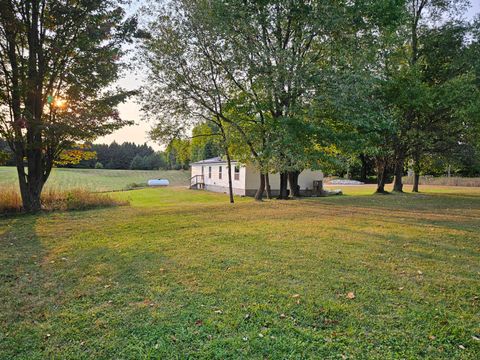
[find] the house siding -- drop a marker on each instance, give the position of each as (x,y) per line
(249,179)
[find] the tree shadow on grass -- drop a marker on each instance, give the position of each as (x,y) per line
(22,298)
(411,201)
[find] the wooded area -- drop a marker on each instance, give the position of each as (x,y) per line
(291,85)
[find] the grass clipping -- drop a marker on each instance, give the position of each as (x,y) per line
(52,200)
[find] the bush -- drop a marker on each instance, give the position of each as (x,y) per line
(52,200)
(98,165)
(132,186)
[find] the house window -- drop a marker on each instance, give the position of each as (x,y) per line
(236,175)
(209,172)
(220,173)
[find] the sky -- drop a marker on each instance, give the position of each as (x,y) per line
(130,110)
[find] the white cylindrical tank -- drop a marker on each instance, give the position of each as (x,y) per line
(158,182)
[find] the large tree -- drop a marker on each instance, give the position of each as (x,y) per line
(409,93)
(57,59)
(252,66)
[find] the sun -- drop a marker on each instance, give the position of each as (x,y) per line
(60,103)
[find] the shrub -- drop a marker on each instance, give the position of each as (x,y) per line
(77,199)
(98,165)
(132,186)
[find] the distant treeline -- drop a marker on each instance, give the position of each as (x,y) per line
(130,156)
(181,152)
(113,156)
(125,156)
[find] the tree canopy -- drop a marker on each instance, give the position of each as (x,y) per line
(58,60)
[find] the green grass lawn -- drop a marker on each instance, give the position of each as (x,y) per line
(97,180)
(183,274)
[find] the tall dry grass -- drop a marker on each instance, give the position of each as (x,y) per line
(10,201)
(76,199)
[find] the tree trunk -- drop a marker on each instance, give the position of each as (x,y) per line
(398,172)
(229,166)
(283,195)
(261,188)
(416,180)
(381,165)
(31,187)
(267,186)
(416,171)
(293,181)
(363,172)
(229,160)
(32,202)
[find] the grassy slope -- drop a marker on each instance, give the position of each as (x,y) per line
(97,180)
(183,274)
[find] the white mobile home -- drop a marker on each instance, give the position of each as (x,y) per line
(212,175)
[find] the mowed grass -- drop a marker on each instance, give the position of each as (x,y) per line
(97,180)
(183,274)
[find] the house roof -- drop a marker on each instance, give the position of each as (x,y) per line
(215,160)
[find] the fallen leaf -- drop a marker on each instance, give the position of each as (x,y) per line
(351,295)
(431,337)
(260,335)
(461,347)
(199,322)
(476,338)
(295,296)
(419,272)
(218,311)
(282,316)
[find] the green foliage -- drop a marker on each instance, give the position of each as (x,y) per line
(58,62)
(153,161)
(4,156)
(120,156)
(206,142)
(178,154)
